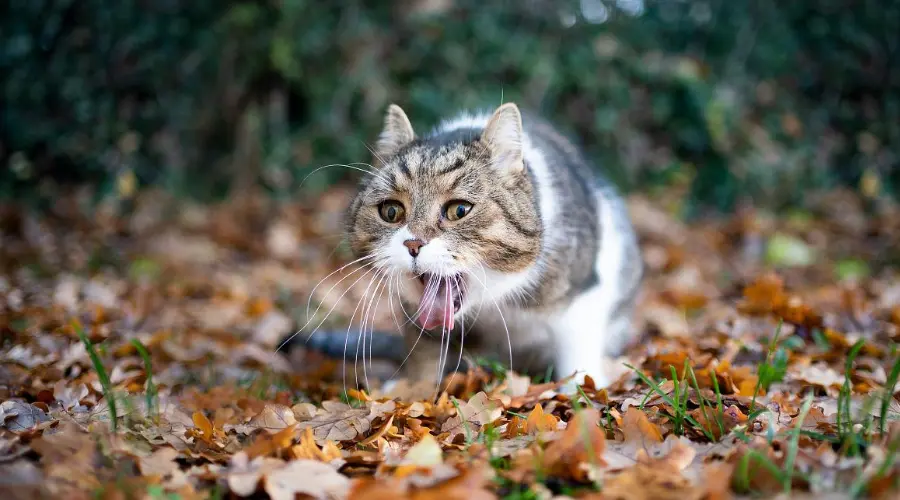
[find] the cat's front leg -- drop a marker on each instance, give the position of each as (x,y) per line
(580,336)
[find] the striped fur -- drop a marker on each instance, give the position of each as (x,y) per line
(547,252)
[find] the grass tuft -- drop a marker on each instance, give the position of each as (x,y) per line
(150,393)
(101,373)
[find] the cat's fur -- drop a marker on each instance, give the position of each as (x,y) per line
(546,252)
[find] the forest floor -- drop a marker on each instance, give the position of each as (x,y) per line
(138,360)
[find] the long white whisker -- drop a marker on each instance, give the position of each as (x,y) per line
(333,307)
(309,320)
(373,308)
(355,310)
(352,167)
(505,327)
(345,266)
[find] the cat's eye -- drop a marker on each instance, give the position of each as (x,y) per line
(391,211)
(457,209)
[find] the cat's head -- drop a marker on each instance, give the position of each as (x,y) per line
(451,218)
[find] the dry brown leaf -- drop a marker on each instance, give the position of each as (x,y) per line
(308,478)
(479,410)
(470,484)
(268,444)
(273,418)
(644,482)
(426,453)
(243,475)
(638,428)
(582,443)
(341,422)
(68,457)
(516,385)
(18,416)
(538,421)
(307,448)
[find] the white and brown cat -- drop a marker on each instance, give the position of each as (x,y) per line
(499,238)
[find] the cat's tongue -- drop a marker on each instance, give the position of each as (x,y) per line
(437,307)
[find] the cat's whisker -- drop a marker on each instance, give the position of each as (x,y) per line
(370,318)
(375,154)
(338,301)
(345,266)
(362,300)
(309,320)
(499,311)
(352,167)
(362,338)
(394,276)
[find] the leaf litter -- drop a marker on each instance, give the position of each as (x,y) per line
(760,373)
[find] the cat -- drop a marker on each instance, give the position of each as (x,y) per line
(497,234)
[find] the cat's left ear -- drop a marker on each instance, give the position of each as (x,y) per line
(397,132)
(503,136)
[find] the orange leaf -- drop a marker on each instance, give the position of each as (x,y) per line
(382,430)
(267,444)
(203,425)
(307,448)
(470,484)
(538,421)
(637,427)
(582,442)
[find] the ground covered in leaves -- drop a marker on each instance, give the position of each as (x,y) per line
(138,360)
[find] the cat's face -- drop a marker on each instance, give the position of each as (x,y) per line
(445,220)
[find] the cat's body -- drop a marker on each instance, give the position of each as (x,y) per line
(498,235)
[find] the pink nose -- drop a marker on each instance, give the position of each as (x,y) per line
(413,246)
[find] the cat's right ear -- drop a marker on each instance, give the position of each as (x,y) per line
(397,132)
(503,136)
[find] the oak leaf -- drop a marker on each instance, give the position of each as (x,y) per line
(479,410)
(581,444)
(538,421)
(308,478)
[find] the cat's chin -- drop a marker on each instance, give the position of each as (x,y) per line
(442,298)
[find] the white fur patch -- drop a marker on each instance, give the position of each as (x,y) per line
(586,329)
(398,255)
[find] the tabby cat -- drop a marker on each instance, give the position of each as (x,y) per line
(499,238)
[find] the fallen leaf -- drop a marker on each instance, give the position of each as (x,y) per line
(341,422)
(18,416)
(306,477)
(638,428)
(426,453)
(538,421)
(582,443)
(479,410)
(273,418)
(243,475)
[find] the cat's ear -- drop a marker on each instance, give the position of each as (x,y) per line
(397,132)
(503,136)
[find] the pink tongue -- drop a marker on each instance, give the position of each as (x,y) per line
(436,308)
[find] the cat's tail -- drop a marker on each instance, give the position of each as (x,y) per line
(334,343)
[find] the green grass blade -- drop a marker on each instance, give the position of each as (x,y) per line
(148,368)
(888,395)
(759,371)
(101,373)
(794,445)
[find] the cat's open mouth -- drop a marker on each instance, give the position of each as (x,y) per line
(442,297)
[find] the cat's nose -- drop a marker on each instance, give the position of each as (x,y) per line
(413,246)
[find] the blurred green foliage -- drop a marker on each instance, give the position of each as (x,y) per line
(733,98)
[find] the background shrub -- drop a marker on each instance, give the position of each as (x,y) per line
(733,98)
